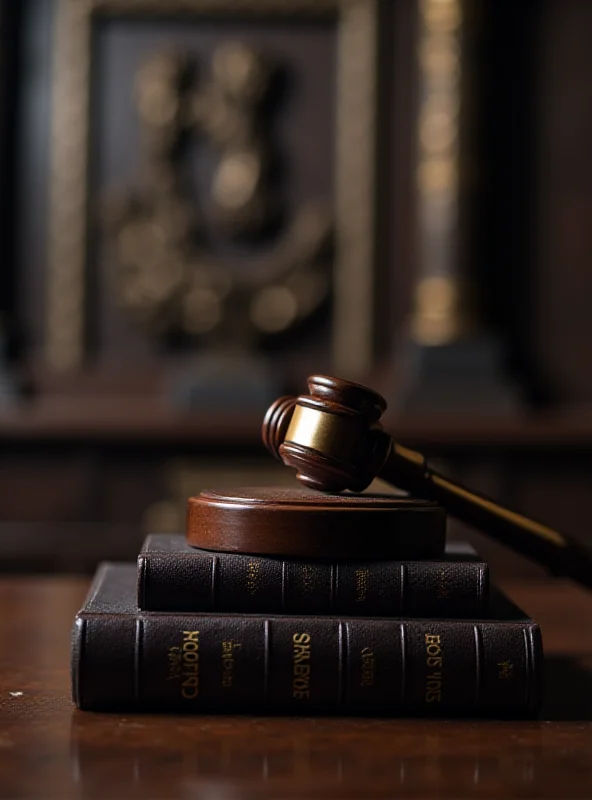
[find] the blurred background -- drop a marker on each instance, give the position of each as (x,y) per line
(202,202)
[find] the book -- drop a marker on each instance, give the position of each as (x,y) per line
(173,576)
(126,659)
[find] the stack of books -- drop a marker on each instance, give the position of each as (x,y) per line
(193,630)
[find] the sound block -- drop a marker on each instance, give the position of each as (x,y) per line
(296,523)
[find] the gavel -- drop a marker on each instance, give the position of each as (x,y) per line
(333,438)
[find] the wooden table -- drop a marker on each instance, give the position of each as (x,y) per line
(50,750)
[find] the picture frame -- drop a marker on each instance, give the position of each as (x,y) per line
(357,31)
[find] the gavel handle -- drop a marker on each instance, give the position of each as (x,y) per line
(562,555)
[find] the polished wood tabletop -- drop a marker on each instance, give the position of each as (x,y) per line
(50,750)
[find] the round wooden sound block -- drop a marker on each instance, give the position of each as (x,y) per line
(302,524)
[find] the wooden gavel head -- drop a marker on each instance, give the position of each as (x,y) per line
(331,436)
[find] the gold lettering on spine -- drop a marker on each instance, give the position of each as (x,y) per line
(190,665)
(505,670)
(368,664)
(362,581)
(301,651)
(253,577)
(433,646)
(175,663)
(228,661)
(442,584)
(307,579)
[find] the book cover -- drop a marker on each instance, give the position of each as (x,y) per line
(125,659)
(173,576)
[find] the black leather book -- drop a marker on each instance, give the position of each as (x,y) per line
(125,659)
(172,576)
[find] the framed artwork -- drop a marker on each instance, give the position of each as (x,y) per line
(213,176)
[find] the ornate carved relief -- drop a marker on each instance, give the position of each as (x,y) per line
(168,278)
(288,278)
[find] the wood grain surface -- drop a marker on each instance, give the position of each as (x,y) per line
(297,523)
(49,750)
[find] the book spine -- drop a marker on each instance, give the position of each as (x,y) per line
(208,582)
(166,662)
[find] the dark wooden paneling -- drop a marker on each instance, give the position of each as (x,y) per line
(121,478)
(34,79)
(9,51)
(399,211)
(502,255)
(52,487)
(563,324)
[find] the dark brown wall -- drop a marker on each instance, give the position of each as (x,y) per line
(9,25)
(94,459)
(563,280)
